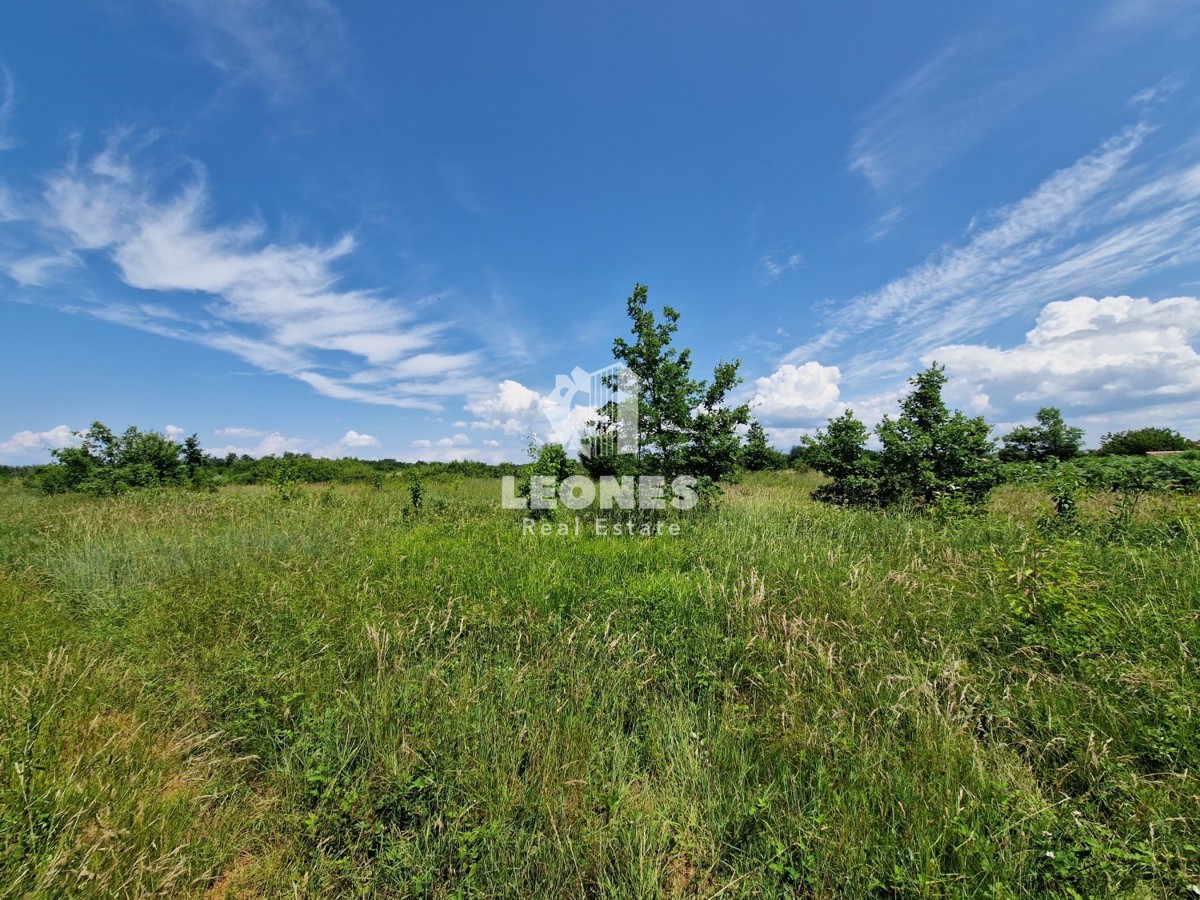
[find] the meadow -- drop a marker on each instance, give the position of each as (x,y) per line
(323,691)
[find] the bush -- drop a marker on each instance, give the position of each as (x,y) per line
(1141,441)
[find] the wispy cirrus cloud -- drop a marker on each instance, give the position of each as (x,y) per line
(277,45)
(778,262)
(1096,225)
(8,102)
(278,306)
(933,115)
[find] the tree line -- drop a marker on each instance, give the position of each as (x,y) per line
(685,425)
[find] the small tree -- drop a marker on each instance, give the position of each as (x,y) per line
(758,455)
(929,451)
(550,461)
(840,451)
(1051,438)
(193,456)
(714,450)
(1141,441)
(684,426)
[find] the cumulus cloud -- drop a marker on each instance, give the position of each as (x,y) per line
(278,306)
(354,439)
(797,395)
(512,408)
(458,440)
(174,432)
(271,444)
(25,446)
(1114,362)
(457,447)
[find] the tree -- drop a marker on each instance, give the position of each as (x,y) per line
(1141,441)
(928,452)
(193,456)
(840,451)
(684,426)
(1051,438)
(105,463)
(758,455)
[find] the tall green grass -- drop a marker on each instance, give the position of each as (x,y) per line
(327,692)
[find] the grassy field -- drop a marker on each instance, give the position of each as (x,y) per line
(321,691)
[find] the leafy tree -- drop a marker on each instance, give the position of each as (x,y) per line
(1141,441)
(193,456)
(797,458)
(1051,438)
(684,426)
(758,455)
(106,463)
(715,451)
(840,451)
(550,461)
(930,451)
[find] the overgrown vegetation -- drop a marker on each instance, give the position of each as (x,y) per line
(928,453)
(249,694)
(1144,440)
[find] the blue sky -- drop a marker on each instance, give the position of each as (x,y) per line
(384,229)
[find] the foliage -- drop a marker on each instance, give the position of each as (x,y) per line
(416,492)
(550,461)
(107,464)
(929,453)
(1143,440)
(1172,474)
(206,694)
(757,454)
(840,451)
(797,458)
(1051,438)
(685,426)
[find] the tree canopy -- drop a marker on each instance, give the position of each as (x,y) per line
(684,425)
(1050,438)
(928,452)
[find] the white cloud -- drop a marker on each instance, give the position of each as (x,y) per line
(272,444)
(1096,225)
(1157,93)
(27,446)
(773,265)
(1114,362)
(238,432)
(277,306)
(458,440)
(8,101)
(354,439)
(279,45)
(797,395)
(511,408)
(933,115)
(174,432)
